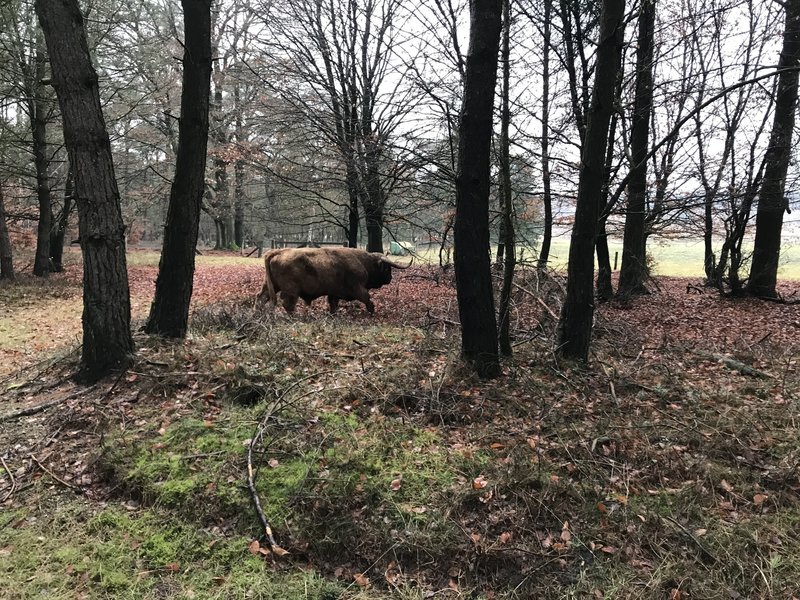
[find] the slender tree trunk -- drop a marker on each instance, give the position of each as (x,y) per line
(547,199)
(38,114)
(169,314)
(373,209)
(6,255)
(471,229)
(107,341)
(575,324)
(239,200)
(505,189)
(708,242)
(605,289)
(634,266)
(352,209)
(60,229)
(772,201)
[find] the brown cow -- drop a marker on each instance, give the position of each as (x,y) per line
(338,273)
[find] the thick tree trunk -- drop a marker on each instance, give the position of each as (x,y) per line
(169,314)
(547,198)
(471,229)
(6,255)
(634,265)
(771,201)
(575,324)
(505,191)
(107,341)
(60,229)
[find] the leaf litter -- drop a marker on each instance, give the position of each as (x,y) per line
(652,463)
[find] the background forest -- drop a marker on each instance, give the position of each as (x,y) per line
(336,121)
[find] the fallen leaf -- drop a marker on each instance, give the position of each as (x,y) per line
(759,499)
(479,483)
(396,483)
(361,579)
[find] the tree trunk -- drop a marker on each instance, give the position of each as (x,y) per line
(60,230)
(505,189)
(471,229)
(605,289)
(575,324)
(238,193)
(547,199)
(353,217)
(6,255)
(169,314)
(771,201)
(634,265)
(107,341)
(38,115)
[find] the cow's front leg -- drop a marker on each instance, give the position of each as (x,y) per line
(289,302)
(333,303)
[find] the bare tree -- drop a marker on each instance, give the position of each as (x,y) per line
(169,313)
(772,202)
(575,324)
(471,230)
(634,271)
(107,341)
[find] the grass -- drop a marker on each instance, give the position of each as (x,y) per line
(674,258)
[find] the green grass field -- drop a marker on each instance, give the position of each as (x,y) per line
(677,258)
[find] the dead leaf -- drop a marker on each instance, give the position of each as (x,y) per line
(479,483)
(361,579)
(278,551)
(273,462)
(759,499)
(254,547)
(396,483)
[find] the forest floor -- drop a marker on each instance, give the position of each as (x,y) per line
(669,467)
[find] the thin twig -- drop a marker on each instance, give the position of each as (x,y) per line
(703,549)
(13,481)
(53,475)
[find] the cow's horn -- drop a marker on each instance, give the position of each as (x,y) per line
(395,265)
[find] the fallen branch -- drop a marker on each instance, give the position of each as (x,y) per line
(733,364)
(32,410)
(251,471)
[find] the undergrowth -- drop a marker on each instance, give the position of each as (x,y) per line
(386,470)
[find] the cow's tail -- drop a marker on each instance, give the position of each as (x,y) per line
(268,291)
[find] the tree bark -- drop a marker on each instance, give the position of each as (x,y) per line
(575,324)
(471,229)
(505,191)
(6,255)
(107,341)
(771,201)
(634,265)
(169,313)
